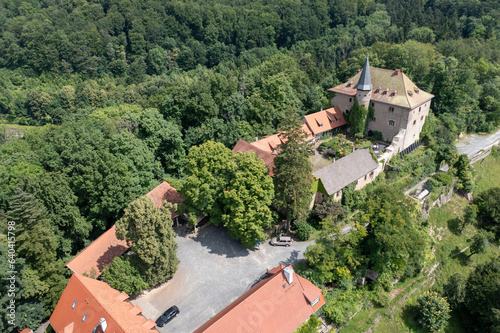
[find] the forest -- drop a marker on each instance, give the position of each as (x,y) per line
(109,97)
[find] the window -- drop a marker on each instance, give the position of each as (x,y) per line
(366,176)
(371,174)
(373,104)
(422,118)
(346,111)
(373,119)
(414,122)
(419,109)
(84,317)
(391,109)
(350,99)
(392,123)
(74,304)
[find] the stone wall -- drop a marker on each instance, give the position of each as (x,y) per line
(443,198)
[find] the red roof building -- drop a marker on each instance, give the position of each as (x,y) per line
(324,121)
(88,305)
(166,192)
(278,304)
(267,157)
(100,253)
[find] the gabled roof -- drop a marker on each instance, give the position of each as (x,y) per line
(98,254)
(346,170)
(100,305)
(269,143)
(268,158)
(389,86)
(308,132)
(365,81)
(328,119)
(273,305)
(166,192)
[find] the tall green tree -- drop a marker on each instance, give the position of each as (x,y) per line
(481,296)
(488,204)
(433,311)
(292,172)
(122,275)
(234,190)
(148,230)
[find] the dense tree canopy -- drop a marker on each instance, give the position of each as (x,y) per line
(148,230)
(233,190)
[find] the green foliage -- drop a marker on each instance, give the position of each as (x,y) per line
(455,290)
(292,172)
(234,190)
(341,305)
(334,209)
(149,232)
(122,275)
(488,204)
(481,296)
(469,216)
(464,174)
(304,230)
(357,119)
(433,311)
(396,244)
(310,326)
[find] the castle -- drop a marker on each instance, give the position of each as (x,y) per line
(397,102)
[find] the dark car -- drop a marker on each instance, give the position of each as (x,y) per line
(167,316)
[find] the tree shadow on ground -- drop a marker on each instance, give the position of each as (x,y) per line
(460,257)
(454,226)
(292,259)
(217,240)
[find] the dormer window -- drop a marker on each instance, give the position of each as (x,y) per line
(410,93)
(378,90)
(416,90)
(74,304)
(394,93)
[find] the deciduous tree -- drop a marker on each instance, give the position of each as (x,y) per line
(149,232)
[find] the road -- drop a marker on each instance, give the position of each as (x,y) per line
(214,271)
(475,143)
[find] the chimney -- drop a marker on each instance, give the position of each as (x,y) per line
(333,160)
(397,72)
(256,139)
(288,274)
(353,149)
(104,324)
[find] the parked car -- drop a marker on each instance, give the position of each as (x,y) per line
(167,316)
(281,241)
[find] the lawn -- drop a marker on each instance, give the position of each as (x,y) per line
(488,173)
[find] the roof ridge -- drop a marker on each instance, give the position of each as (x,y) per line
(406,90)
(95,240)
(91,294)
(255,147)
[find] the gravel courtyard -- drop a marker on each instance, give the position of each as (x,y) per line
(214,271)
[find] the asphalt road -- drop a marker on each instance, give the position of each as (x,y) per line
(214,271)
(475,143)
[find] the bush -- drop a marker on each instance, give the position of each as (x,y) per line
(122,275)
(304,230)
(377,135)
(433,311)
(310,326)
(382,298)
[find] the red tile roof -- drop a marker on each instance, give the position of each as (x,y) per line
(269,143)
(268,158)
(26,330)
(273,305)
(98,303)
(98,254)
(166,192)
(325,120)
(389,86)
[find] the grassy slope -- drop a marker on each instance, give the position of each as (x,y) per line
(448,243)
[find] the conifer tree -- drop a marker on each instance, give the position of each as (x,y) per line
(292,172)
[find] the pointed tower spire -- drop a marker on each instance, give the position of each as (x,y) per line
(365,81)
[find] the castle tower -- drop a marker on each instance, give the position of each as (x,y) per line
(364,86)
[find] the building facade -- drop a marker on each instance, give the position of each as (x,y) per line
(397,102)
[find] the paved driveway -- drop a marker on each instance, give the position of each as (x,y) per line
(475,143)
(214,271)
